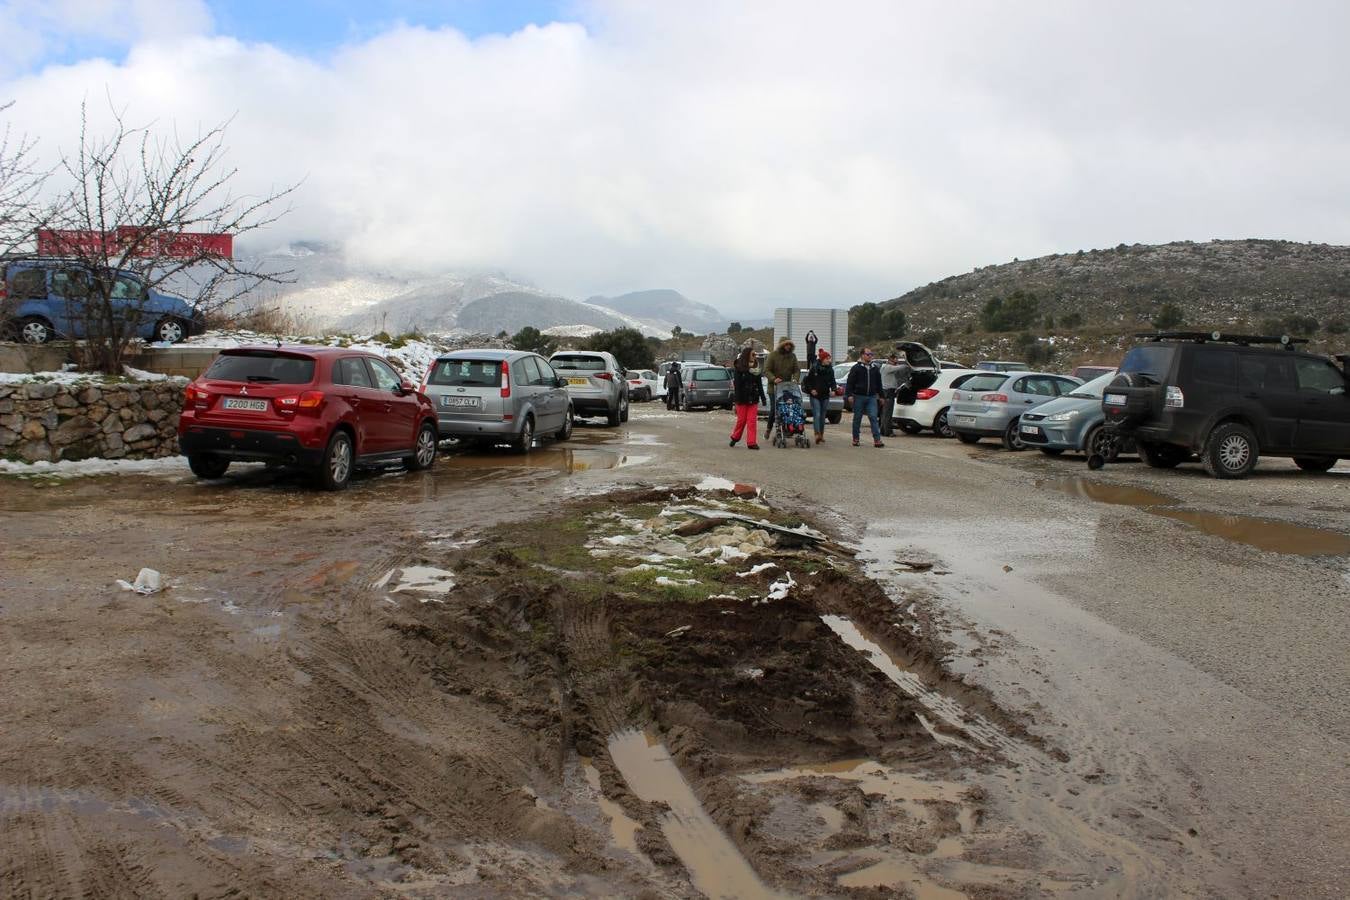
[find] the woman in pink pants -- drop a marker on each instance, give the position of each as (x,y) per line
(748,393)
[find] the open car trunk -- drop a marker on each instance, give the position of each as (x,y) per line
(924,368)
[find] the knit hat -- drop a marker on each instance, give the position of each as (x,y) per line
(824,355)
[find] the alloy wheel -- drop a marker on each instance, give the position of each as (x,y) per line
(1234,452)
(426,447)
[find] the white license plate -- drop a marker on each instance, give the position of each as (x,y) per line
(245,403)
(1115,399)
(964,420)
(579,381)
(459,402)
(1031,429)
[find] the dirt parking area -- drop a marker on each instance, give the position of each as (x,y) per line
(590,671)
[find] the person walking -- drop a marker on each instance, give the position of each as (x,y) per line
(780,367)
(747,392)
(820,384)
(895,375)
(673,385)
(863,387)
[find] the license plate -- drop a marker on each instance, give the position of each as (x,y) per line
(1031,429)
(964,420)
(1115,399)
(459,402)
(579,381)
(245,403)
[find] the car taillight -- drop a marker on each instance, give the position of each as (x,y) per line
(506,379)
(839,392)
(193,394)
(309,401)
(994,398)
(604,375)
(1174,398)
(925,394)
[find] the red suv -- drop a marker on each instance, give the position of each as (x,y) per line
(325,409)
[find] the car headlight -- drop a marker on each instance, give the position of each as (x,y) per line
(1062,417)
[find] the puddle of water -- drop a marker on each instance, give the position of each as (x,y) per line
(714,864)
(872,777)
(565,460)
(943,707)
(898,873)
(1263,534)
(623,828)
(419,579)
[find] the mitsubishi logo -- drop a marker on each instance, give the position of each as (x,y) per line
(243,391)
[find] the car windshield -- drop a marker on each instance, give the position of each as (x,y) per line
(1153,360)
(466,373)
(262,366)
(1094,388)
(712,374)
(989,382)
(578,363)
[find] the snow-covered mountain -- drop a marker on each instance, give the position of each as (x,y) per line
(666,308)
(328,293)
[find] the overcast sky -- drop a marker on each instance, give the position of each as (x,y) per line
(749,154)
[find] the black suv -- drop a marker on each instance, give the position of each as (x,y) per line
(1228,399)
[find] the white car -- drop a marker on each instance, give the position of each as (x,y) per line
(644,385)
(929,409)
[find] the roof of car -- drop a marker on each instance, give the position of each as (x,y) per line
(493,354)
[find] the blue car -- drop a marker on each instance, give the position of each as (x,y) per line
(1072,422)
(45,297)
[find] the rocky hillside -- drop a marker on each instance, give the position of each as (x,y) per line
(1239,284)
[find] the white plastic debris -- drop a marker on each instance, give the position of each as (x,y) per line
(148,581)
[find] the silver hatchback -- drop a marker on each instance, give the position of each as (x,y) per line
(498,396)
(596,382)
(991,404)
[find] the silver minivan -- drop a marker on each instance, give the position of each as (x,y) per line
(706,385)
(498,396)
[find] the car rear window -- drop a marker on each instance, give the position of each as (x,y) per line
(1154,360)
(712,374)
(579,363)
(264,366)
(466,373)
(984,382)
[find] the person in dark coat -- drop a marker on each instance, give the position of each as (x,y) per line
(820,385)
(863,387)
(747,392)
(673,385)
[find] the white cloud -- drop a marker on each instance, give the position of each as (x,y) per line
(755,153)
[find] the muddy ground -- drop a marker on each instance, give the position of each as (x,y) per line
(557,676)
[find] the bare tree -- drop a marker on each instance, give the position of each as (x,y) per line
(138,218)
(20,182)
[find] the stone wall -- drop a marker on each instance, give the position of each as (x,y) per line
(118,420)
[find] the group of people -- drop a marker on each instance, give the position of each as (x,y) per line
(869,389)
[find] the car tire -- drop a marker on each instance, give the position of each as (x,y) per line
(207,466)
(942,427)
(1161,456)
(1315,463)
(339,459)
(424,450)
(910,427)
(1012,437)
(1230,451)
(623,409)
(1052,451)
(34,330)
(834,418)
(565,432)
(524,441)
(967,438)
(170,330)
(1097,443)
(612,417)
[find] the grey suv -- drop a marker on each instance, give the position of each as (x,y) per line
(596,382)
(498,396)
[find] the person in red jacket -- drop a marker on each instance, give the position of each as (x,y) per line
(747,393)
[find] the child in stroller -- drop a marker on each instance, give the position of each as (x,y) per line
(791,419)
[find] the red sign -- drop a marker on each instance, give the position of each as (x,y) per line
(175,245)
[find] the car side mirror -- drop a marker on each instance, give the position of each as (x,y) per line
(404,387)
(559,381)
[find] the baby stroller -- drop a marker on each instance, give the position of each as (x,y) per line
(790,417)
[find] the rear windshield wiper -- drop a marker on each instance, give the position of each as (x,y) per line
(263,378)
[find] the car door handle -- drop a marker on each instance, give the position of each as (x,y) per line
(1251,396)
(1028,401)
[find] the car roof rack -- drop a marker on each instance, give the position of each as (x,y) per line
(1204,337)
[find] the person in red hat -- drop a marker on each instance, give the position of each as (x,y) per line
(820,385)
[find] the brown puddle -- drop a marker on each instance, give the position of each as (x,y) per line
(563,460)
(622,828)
(714,864)
(1264,534)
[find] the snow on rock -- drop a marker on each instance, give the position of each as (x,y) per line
(779,589)
(755,570)
(68,468)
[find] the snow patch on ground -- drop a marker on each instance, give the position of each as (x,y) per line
(70,468)
(715,483)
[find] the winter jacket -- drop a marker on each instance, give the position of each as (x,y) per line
(782,364)
(820,378)
(863,381)
(746,387)
(895,377)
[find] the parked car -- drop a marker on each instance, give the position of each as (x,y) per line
(706,385)
(1087,373)
(596,382)
(1073,422)
(643,386)
(929,408)
(326,409)
(498,396)
(1229,399)
(43,298)
(1001,365)
(992,404)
